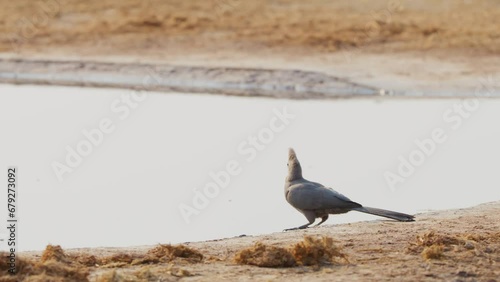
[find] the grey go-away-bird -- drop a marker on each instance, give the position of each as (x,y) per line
(314,200)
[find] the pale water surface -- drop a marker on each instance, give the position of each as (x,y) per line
(128,189)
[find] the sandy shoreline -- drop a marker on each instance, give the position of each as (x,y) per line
(274,83)
(273,80)
(469,238)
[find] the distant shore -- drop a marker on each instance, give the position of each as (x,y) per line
(289,49)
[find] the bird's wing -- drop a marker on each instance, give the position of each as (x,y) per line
(314,196)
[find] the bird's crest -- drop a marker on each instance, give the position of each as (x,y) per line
(291,154)
(294,169)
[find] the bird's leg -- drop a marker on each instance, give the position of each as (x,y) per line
(311,216)
(323,219)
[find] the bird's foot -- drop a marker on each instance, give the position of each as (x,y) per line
(295,228)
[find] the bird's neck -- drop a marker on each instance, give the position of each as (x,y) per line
(294,172)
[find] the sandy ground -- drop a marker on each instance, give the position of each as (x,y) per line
(467,243)
(422,48)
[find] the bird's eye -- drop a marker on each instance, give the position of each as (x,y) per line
(287,164)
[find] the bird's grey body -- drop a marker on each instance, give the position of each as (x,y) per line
(315,200)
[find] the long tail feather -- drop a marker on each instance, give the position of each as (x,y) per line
(385,213)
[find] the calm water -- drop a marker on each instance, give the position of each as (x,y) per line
(102,167)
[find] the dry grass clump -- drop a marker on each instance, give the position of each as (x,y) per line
(116,260)
(55,253)
(56,270)
(431,238)
(310,251)
(265,256)
(86,260)
(493,237)
(433,252)
(167,253)
(161,253)
(432,245)
(54,265)
(317,251)
(23,267)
